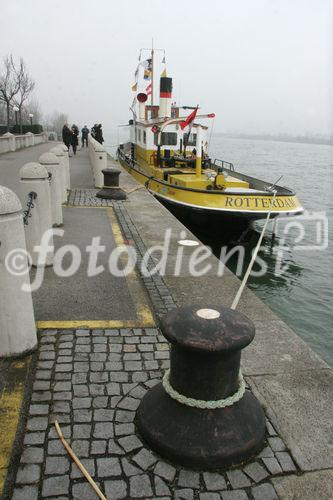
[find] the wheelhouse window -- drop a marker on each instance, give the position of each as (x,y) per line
(192,140)
(167,139)
(136,134)
(144,137)
(139,135)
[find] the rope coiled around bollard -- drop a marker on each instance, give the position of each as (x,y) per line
(201,403)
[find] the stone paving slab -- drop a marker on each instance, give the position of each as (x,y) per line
(92,382)
(305,399)
(290,353)
(208,289)
(82,297)
(316,485)
(80,169)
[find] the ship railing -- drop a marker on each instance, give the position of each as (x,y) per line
(225,165)
(125,156)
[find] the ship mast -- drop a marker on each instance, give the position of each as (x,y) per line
(152,51)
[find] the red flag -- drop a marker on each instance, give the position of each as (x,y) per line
(189,120)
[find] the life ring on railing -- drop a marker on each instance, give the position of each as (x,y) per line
(153,158)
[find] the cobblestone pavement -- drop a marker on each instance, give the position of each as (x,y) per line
(156,287)
(92,382)
(87,198)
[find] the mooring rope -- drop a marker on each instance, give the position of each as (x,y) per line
(254,256)
(201,403)
(221,403)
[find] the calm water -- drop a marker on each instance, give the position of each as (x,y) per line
(302,295)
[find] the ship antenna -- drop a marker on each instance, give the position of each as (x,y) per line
(211,133)
(152,76)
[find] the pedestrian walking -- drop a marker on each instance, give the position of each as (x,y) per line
(99,134)
(84,136)
(93,131)
(75,138)
(66,136)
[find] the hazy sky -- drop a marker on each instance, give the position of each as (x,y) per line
(260,65)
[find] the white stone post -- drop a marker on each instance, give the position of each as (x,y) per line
(68,176)
(29,139)
(11,141)
(17,321)
(98,160)
(60,154)
(34,178)
(52,165)
(91,153)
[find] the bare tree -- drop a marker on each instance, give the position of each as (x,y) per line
(9,85)
(32,106)
(2,113)
(56,121)
(26,86)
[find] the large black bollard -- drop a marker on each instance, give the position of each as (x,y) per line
(111,189)
(201,416)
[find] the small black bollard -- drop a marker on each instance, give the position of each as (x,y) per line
(111,189)
(201,416)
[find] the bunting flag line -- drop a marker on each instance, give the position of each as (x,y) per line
(147,66)
(147,74)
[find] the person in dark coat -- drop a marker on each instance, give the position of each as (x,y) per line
(66,136)
(99,134)
(93,131)
(84,136)
(75,138)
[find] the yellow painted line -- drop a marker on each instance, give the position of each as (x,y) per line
(141,305)
(11,399)
(94,324)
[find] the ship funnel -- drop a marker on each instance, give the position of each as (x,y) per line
(164,110)
(142,97)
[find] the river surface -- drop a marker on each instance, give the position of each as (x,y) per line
(298,282)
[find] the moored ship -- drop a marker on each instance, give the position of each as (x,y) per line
(168,153)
